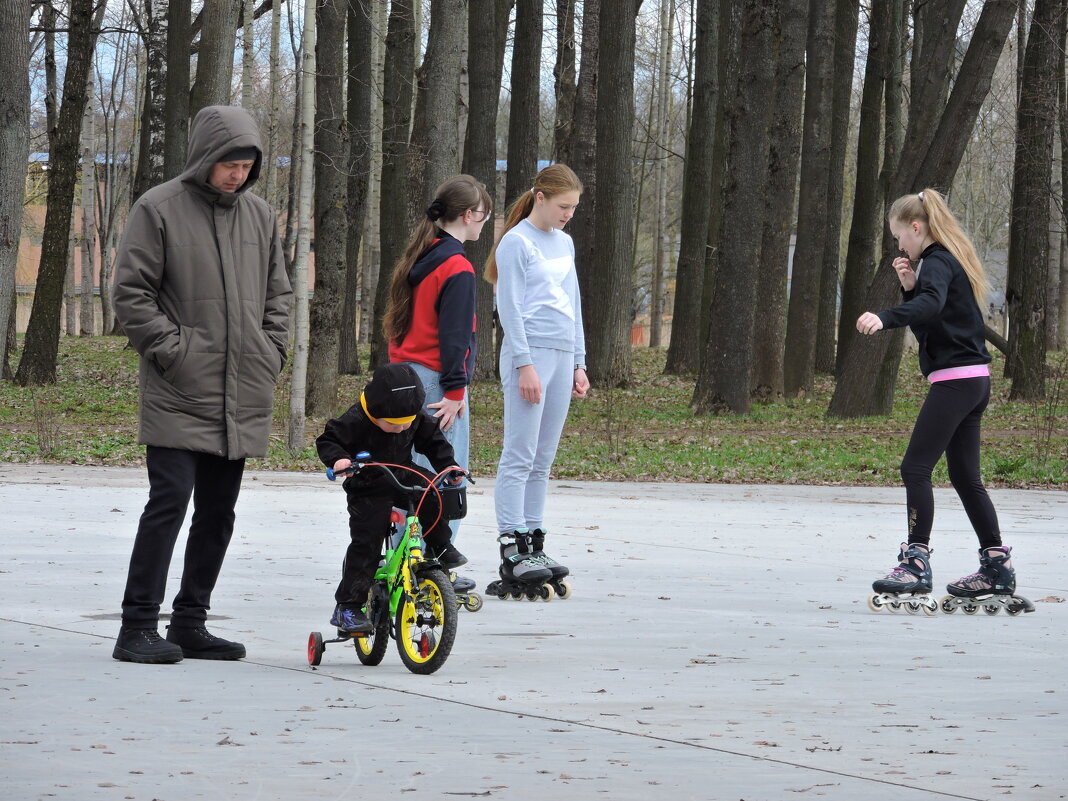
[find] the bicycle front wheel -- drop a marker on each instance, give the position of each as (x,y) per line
(426,623)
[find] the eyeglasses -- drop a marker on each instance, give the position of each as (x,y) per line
(478,215)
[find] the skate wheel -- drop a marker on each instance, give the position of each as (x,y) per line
(517,596)
(894,606)
(546,593)
(563,589)
(875,602)
(315,648)
(912,607)
(948,605)
(991,609)
(970,609)
(473,602)
(930,607)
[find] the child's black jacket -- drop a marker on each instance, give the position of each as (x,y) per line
(353,432)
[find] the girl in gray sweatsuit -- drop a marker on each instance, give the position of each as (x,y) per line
(543,365)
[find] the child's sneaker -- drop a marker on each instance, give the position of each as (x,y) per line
(353,621)
(449,557)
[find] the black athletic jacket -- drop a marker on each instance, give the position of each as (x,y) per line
(942,313)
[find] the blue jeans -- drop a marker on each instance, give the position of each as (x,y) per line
(459,433)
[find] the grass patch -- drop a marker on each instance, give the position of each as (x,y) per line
(642,433)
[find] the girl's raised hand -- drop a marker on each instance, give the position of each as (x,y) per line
(905,274)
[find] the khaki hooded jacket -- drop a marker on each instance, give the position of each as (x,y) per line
(202,293)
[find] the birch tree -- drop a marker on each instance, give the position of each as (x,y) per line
(304,214)
(88,207)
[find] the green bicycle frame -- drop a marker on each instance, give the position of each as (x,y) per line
(401,563)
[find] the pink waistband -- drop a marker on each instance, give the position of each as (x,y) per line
(968,371)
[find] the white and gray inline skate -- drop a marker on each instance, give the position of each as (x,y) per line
(907,586)
(522,574)
(561,586)
(992,588)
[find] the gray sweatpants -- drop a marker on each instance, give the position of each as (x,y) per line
(531,436)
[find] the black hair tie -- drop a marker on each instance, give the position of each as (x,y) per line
(435,210)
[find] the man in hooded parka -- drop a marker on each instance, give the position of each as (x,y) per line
(201,291)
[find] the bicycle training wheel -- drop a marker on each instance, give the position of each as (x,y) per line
(426,623)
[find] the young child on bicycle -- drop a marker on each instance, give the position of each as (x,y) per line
(387,421)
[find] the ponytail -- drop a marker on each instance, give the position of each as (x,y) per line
(552,180)
(457,195)
(929,207)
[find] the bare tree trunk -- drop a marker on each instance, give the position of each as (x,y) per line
(564,75)
(360,58)
(484,68)
(270,179)
(584,153)
(435,141)
(396,119)
(176,103)
(1028,275)
(1061,341)
(331,214)
(865,385)
(784,151)
(684,349)
(663,237)
(812,215)
(304,213)
(865,227)
(845,41)
(524,111)
(14,148)
(88,201)
(248,55)
(608,308)
(38,364)
(372,251)
(215,60)
(150,154)
(723,385)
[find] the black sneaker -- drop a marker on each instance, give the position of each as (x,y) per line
(146,646)
(449,557)
(198,643)
(463,584)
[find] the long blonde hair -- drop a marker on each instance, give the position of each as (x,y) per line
(457,195)
(552,180)
(929,207)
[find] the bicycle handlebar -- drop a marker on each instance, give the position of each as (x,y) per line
(359,465)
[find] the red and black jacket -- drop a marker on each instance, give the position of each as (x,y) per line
(442,333)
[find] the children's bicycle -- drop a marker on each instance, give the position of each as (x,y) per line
(411,598)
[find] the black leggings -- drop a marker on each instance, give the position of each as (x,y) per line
(949,423)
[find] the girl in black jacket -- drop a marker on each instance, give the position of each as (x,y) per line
(943,297)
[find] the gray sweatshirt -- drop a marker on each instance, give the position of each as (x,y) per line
(537,293)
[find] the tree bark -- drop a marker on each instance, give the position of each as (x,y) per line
(608,309)
(435,151)
(784,152)
(87,322)
(845,41)
(663,109)
(150,153)
(865,385)
(298,385)
(524,110)
(248,60)
(484,66)
(396,119)
(360,55)
(215,59)
(14,149)
(865,227)
(812,216)
(331,222)
(176,103)
(584,154)
(1028,273)
(723,385)
(564,75)
(270,177)
(38,364)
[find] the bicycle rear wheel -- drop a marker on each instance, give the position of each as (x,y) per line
(426,623)
(371,649)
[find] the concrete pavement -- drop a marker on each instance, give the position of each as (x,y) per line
(718,646)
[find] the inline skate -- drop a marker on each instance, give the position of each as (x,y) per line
(561,586)
(907,586)
(522,576)
(991,588)
(466,597)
